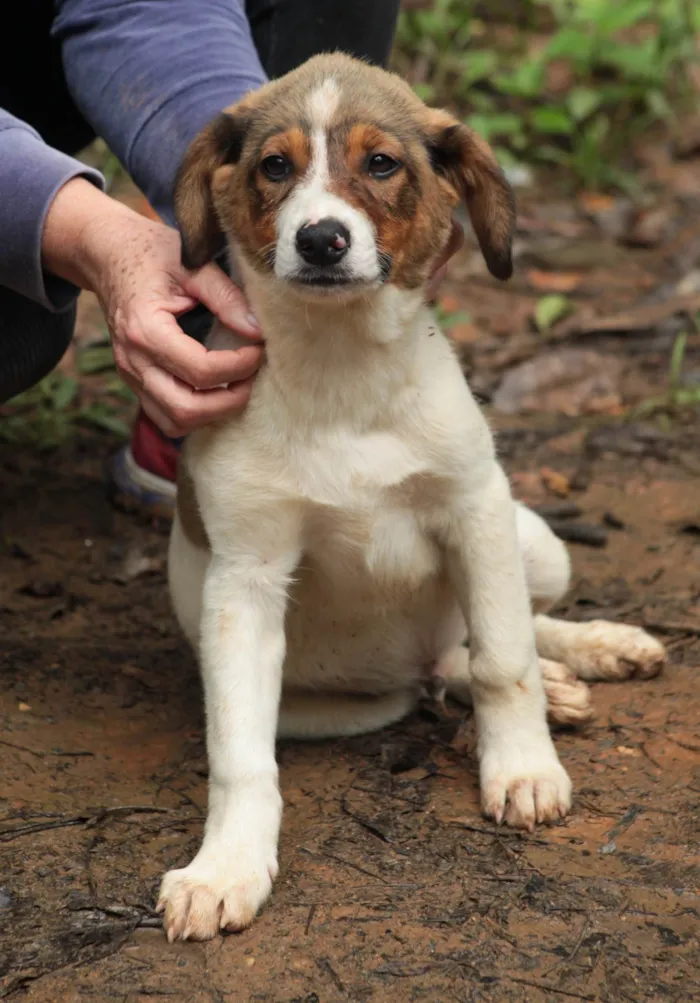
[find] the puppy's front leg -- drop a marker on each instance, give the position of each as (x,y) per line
(522,780)
(242,651)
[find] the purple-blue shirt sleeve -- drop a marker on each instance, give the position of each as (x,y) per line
(31,174)
(149,74)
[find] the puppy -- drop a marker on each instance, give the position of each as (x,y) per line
(333,543)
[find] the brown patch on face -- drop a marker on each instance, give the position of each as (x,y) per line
(255,217)
(188,508)
(409,210)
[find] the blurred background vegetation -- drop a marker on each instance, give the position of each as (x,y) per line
(573,84)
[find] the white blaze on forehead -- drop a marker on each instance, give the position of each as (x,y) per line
(323,103)
(312,199)
(321,107)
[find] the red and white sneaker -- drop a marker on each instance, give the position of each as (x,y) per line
(141,475)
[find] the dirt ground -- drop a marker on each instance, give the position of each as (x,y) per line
(392,887)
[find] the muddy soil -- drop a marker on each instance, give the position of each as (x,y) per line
(392,886)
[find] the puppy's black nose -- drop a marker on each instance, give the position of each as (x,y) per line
(323,243)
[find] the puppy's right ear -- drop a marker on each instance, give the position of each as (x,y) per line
(467,163)
(220,144)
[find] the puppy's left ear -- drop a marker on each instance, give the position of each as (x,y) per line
(219,145)
(467,162)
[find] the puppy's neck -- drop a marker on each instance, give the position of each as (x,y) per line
(338,360)
(381,316)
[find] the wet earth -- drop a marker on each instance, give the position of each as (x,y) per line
(392,886)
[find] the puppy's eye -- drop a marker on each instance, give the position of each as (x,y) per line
(381,165)
(276,167)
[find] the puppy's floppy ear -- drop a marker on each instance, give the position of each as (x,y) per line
(221,143)
(468,164)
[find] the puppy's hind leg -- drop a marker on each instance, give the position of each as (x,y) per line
(599,649)
(546,559)
(594,650)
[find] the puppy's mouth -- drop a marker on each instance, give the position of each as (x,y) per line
(324,279)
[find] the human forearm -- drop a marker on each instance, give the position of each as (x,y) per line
(31,175)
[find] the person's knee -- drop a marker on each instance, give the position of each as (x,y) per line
(32,342)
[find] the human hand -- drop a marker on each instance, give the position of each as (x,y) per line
(133,266)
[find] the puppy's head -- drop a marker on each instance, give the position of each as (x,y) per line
(337,178)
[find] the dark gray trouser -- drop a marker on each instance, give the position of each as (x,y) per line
(286,33)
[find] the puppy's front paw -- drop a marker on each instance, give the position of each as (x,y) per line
(523,782)
(614,651)
(221,894)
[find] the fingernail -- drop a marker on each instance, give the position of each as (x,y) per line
(253,321)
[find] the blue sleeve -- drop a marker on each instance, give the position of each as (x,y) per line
(149,74)
(31,174)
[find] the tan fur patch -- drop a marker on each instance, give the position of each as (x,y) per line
(411,223)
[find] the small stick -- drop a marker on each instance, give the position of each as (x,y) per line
(82,819)
(578,532)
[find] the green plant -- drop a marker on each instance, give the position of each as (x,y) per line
(572,84)
(52,411)
(677,396)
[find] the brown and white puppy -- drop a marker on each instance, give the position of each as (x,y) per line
(334,541)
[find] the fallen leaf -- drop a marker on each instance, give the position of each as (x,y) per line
(555,482)
(464,334)
(562,227)
(449,304)
(24,707)
(594,202)
(687,141)
(570,442)
(513,320)
(649,228)
(527,486)
(570,381)
(574,255)
(689,284)
(553,282)
(550,309)
(640,318)
(613,216)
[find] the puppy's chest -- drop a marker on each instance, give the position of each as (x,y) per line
(388,546)
(369,503)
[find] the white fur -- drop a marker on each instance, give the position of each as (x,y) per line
(312,201)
